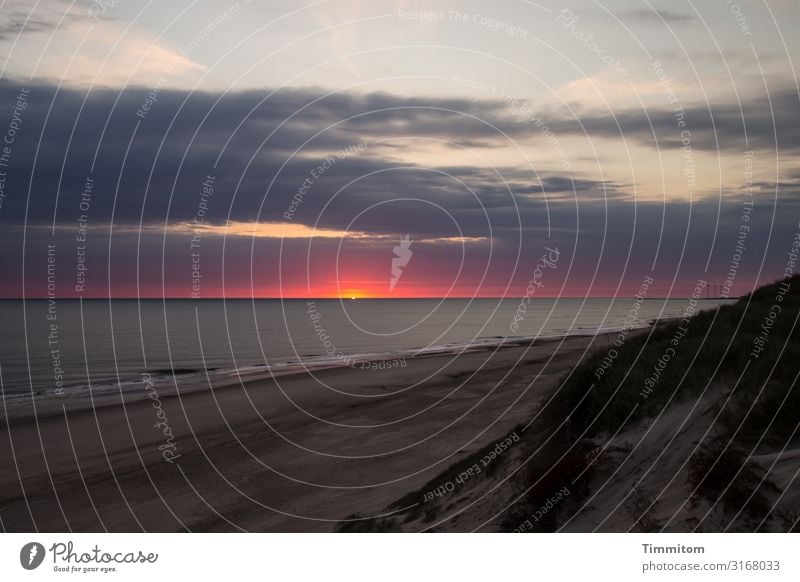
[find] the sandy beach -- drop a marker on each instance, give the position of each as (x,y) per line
(296,453)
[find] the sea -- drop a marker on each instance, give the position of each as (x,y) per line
(79,347)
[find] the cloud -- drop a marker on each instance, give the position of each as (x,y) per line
(614,241)
(291,230)
(763,122)
(135,59)
(148,154)
(147,165)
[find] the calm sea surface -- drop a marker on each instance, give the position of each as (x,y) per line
(111,345)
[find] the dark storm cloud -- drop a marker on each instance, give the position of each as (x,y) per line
(149,165)
(147,153)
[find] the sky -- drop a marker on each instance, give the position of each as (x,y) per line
(288,149)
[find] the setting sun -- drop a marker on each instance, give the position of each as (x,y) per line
(352,295)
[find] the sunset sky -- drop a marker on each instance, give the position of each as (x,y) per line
(284,148)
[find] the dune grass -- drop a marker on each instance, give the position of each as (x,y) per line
(716,349)
(748,350)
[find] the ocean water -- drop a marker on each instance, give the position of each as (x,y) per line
(70,347)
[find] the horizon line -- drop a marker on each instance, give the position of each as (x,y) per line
(236,298)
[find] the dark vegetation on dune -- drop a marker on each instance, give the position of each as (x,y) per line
(758,402)
(757,399)
(715,350)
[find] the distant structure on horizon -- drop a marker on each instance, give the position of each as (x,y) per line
(714,291)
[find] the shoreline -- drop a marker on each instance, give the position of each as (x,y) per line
(169,383)
(293,453)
